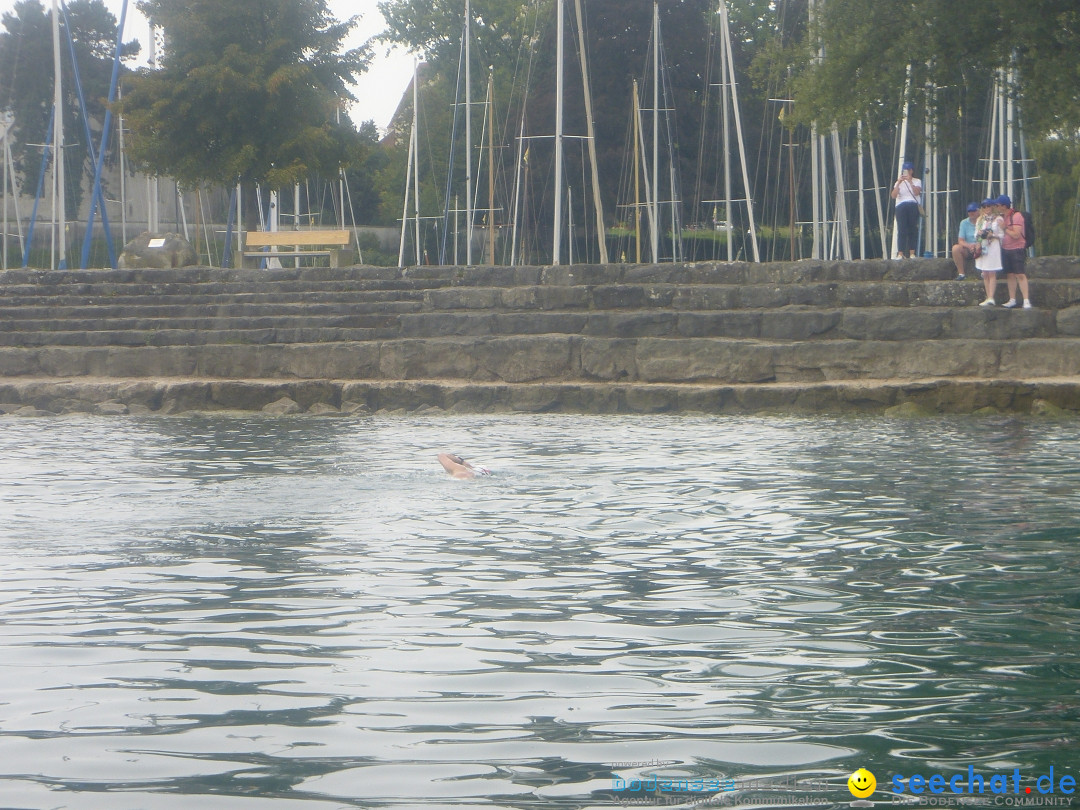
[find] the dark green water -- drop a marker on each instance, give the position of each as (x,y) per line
(247,613)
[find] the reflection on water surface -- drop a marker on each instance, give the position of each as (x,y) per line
(310,613)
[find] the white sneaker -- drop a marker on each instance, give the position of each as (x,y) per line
(989,302)
(1027,304)
(1012,303)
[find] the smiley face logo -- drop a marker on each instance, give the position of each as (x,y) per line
(862,783)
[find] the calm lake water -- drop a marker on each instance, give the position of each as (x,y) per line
(227,612)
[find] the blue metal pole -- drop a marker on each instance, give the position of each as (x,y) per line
(113,82)
(96,195)
(40,187)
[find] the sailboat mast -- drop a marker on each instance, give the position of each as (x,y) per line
(730,59)
(903,152)
(491,165)
(862,192)
(517,195)
(5,122)
(556,249)
(637,175)
(725,77)
(1010,131)
(590,132)
(408,179)
(468,135)
(654,223)
(123,171)
(59,196)
(416,158)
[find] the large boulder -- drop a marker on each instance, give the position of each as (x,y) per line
(158,250)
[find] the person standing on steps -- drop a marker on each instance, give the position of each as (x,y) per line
(907,191)
(967,242)
(1014,252)
(989,230)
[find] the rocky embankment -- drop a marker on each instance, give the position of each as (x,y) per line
(802,337)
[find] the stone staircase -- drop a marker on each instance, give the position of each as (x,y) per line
(715,337)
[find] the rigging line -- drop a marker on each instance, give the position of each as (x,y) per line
(585,208)
(453,145)
(699,179)
(674,178)
(503,182)
(1074,232)
(527,79)
(521,172)
(986,140)
(479,167)
(524,43)
(352,217)
(505,130)
(765,177)
(492,129)
(40,187)
(625,182)
(425,125)
(771,126)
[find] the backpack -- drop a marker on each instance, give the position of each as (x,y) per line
(1029,228)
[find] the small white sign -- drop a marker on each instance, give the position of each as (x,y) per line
(156,243)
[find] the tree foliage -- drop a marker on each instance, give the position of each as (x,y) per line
(245,89)
(869,48)
(26,76)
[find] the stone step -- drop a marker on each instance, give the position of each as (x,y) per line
(361,290)
(308,276)
(737,273)
(1053,294)
(358,398)
(258,336)
(251,295)
(138,324)
(783,324)
(1056,294)
(562,358)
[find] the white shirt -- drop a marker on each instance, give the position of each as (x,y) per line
(904,189)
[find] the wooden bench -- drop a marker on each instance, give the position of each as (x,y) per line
(285,244)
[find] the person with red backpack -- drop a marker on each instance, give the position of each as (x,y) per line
(1014,252)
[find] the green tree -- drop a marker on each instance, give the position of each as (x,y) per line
(1056,195)
(26,79)
(362,169)
(246,89)
(870,47)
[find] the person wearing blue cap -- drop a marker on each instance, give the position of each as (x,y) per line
(967,244)
(907,191)
(989,228)
(1014,252)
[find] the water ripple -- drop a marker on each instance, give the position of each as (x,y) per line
(304,613)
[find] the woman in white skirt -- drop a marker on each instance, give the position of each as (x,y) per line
(989,228)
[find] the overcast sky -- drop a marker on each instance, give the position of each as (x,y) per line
(379,90)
